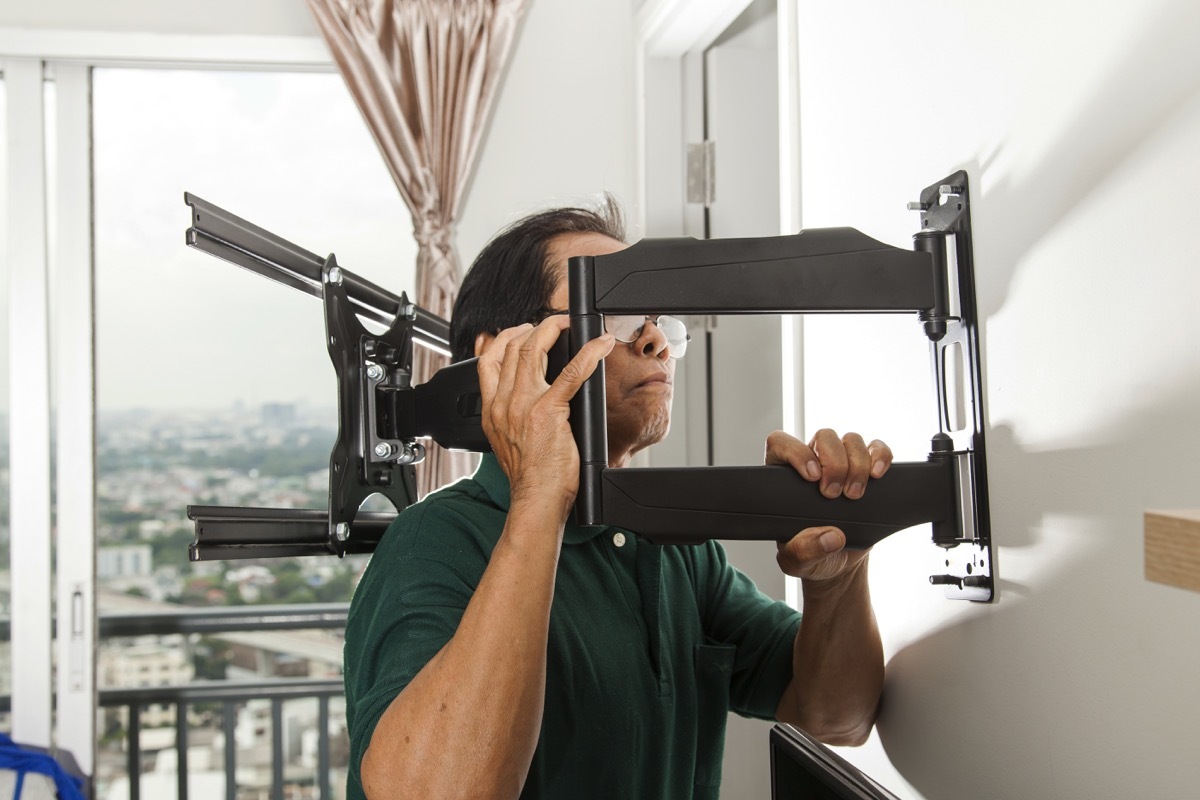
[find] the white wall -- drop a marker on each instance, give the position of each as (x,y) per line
(562,131)
(1078,124)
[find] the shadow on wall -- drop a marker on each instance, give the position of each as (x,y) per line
(1158,74)
(963,716)
(1050,693)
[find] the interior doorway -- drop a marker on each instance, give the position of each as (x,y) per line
(730,386)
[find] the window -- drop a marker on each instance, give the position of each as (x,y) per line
(213,384)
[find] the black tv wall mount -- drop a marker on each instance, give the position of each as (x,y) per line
(382,415)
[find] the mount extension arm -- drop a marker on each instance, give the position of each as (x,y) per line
(837,270)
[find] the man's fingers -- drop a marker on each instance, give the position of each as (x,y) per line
(831,454)
(509,369)
(491,361)
(801,554)
(858,465)
(581,367)
(881,458)
(536,346)
(843,464)
(512,370)
(783,448)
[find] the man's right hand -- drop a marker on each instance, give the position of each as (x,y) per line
(526,420)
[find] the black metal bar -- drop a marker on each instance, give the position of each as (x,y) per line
(836,270)
(945,211)
(356,468)
(219,691)
(692,504)
(230,725)
(228,236)
(181,750)
(323,748)
(589,417)
(964,254)
(235,532)
(933,243)
(276,748)
(710,416)
(447,408)
(430,329)
(134,761)
(329,616)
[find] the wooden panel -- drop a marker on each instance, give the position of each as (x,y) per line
(1173,548)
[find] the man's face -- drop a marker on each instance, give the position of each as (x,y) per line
(639,376)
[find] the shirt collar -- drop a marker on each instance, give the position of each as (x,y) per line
(491,477)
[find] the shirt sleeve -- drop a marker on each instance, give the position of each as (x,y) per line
(406,608)
(735,612)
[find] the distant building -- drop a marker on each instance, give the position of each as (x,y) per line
(122,562)
(278,415)
(148,661)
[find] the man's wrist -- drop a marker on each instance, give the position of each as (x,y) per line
(854,578)
(538,514)
(544,500)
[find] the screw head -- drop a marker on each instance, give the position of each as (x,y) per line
(341,531)
(383,449)
(374,372)
(335,275)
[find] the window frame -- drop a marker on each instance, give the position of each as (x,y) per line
(54,308)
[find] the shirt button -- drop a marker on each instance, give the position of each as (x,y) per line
(619,539)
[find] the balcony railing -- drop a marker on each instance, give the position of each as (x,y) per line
(326,616)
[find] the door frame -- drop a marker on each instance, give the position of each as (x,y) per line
(669,38)
(665,33)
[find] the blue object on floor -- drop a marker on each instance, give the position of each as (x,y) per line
(21,761)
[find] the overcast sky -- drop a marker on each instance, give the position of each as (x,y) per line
(177,328)
(289,152)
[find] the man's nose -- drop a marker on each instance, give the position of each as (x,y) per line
(651,342)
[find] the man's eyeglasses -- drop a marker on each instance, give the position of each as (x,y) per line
(627,328)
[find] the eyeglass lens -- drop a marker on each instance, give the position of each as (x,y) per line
(627,328)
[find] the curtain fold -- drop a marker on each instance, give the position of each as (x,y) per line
(424,74)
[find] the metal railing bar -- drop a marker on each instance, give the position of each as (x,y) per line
(323,747)
(225,619)
(276,748)
(213,691)
(135,751)
(217,691)
(215,620)
(230,723)
(181,751)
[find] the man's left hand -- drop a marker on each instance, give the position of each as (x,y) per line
(842,466)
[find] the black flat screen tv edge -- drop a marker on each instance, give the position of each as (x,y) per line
(804,769)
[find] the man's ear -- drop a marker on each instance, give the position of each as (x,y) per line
(482,341)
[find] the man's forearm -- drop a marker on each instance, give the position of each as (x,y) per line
(469,721)
(837,663)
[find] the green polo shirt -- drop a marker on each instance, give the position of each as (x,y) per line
(649,646)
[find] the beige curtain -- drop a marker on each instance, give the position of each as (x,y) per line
(424,73)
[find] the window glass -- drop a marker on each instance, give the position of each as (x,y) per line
(5,604)
(213,383)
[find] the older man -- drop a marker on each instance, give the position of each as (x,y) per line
(495,649)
